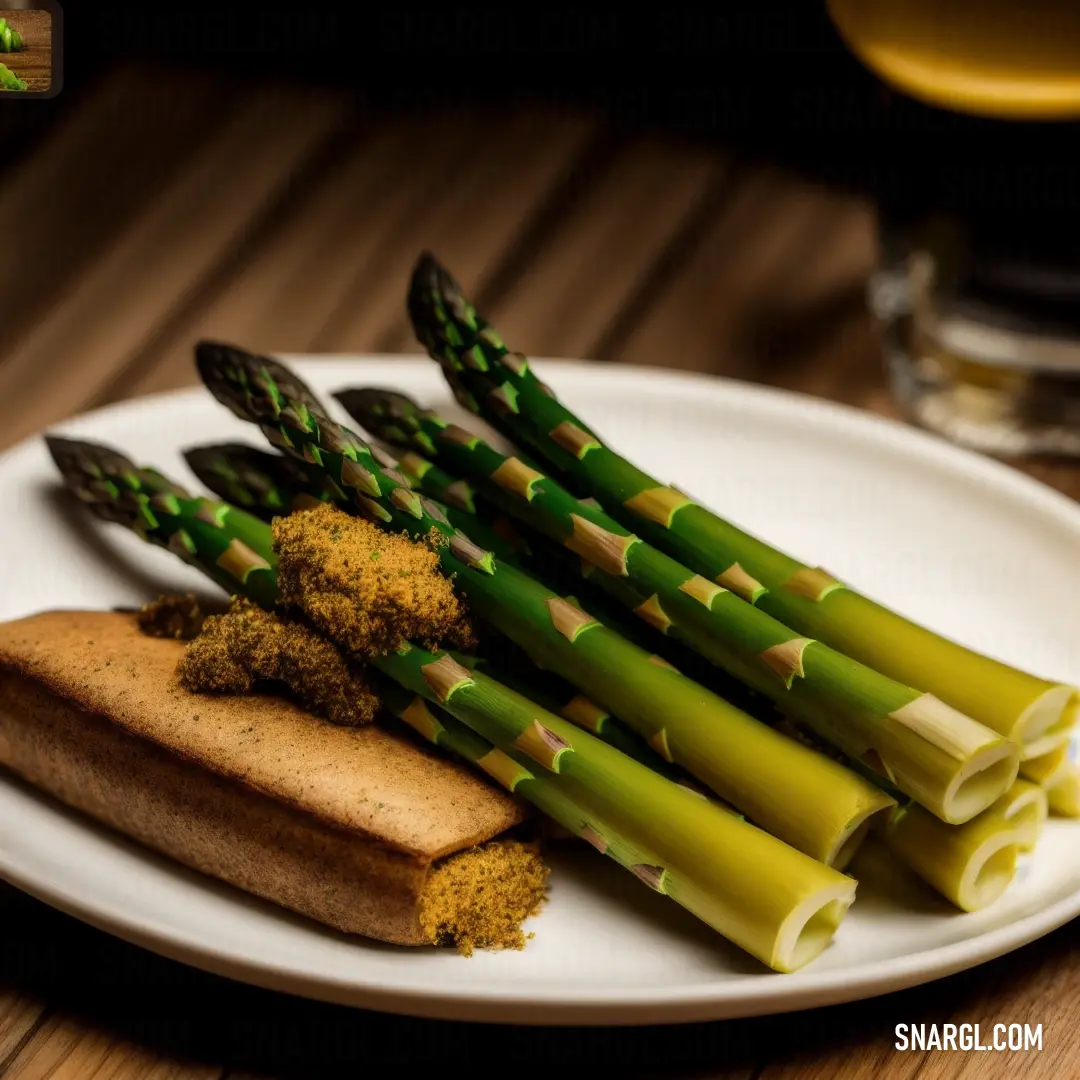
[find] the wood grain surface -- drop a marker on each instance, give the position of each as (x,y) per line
(288,222)
(34,64)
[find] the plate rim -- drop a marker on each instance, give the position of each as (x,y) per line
(546,1006)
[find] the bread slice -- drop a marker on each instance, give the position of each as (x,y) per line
(343,825)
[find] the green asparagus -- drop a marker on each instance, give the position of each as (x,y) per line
(499,384)
(232,546)
(1058,773)
(814,804)
(970,864)
(10,38)
(271,484)
(265,483)
(459,500)
(607,598)
(771,900)
(261,483)
(950,764)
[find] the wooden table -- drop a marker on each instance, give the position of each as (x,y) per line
(288,222)
(33,64)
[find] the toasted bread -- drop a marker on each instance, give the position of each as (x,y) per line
(343,825)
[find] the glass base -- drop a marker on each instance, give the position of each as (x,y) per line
(989,419)
(1010,409)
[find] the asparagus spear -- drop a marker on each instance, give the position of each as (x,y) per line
(952,765)
(1064,793)
(393,418)
(812,803)
(775,902)
(679,844)
(270,484)
(1025,805)
(970,864)
(558,698)
(273,484)
(10,38)
(460,502)
(1058,774)
(499,384)
(118,491)
(566,573)
(232,546)
(263,484)
(609,599)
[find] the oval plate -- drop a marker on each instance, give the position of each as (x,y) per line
(970,547)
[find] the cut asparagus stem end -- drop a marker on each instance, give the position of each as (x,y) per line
(1053,740)
(1072,712)
(809,929)
(982,780)
(990,873)
(1064,792)
(1027,807)
(1059,777)
(970,865)
(848,843)
(800,936)
(1046,768)
(1051,714)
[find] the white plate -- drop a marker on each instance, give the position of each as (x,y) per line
(954,540)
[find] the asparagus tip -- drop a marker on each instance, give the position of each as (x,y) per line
(60,448)
(201,457)
(227,370)
(430,280)
(73,457)
(428,269)
(386,414)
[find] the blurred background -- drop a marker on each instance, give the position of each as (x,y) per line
(723,188)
